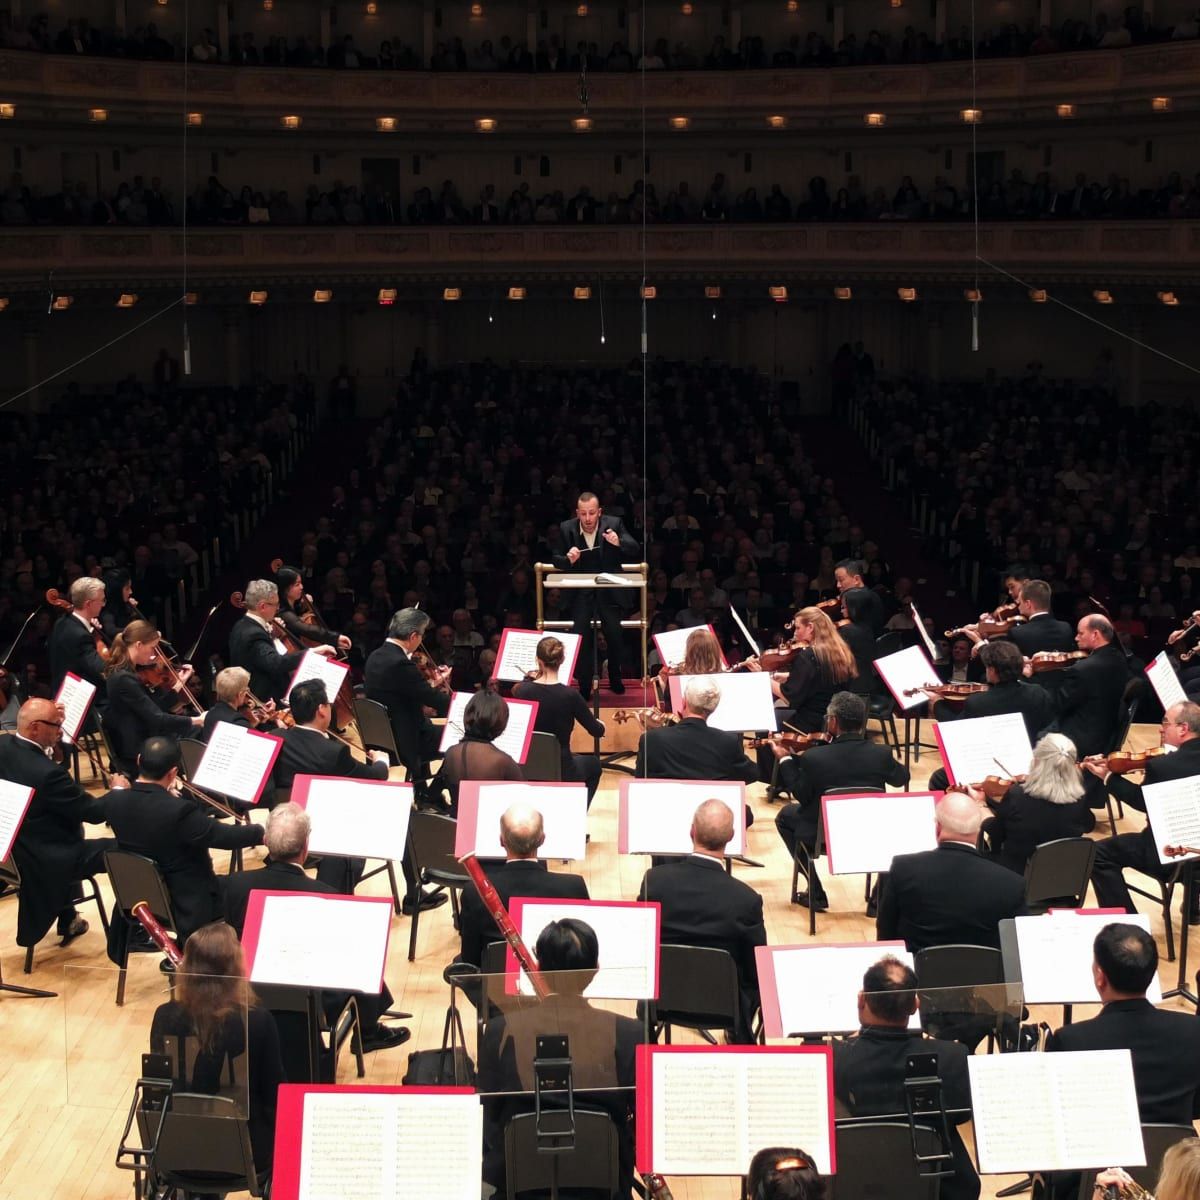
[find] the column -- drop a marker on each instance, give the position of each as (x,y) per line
(233,347)
(32,402)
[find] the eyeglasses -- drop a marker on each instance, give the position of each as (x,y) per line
(54,724)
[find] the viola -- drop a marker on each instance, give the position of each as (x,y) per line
(774,659)
(994,787)
(949,691)
(1054,660)
(1124,761)
(792,742)
(1180,851)
(55,600)
(647,718)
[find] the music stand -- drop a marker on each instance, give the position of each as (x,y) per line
(631,575)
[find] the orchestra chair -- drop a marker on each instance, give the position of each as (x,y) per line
(1127,714)
(1058,873)
(375,728)
(135,878)
(10,874)
(959,966)
(590,1166)
(881,707)
(697,989)
(299,1007)
(876,1161)
(203,1148)
(544,761)
(431,847)
(804,858)
(1157,1140)
(1181,874)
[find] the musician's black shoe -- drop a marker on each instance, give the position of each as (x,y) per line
(428,900)
(167,967)
(820,904)
(70,930)
(384,1039)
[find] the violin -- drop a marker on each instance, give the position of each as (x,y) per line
(828,606)
(1053,660)
(433,674)
(792,742)
(776,658)
(956,692)
(994,787)
(1180,851)
(1183,630)
(1124,761)
(647,718)
(55,600)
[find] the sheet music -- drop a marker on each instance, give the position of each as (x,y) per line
(14,801)
(981,746)
(374,1146)
(1174,811)
(481,805)
(1056,955)
(922,632)
(518,654)
(514,741)
(1164,681)
(672,645)
(320,666)
(714,1109)
(319,941)
(864,833)
(1060,1112)
(76,696)
(747,702)
(816,987)
(656,814)
(905,670)
(360,818)
(237,761)
(628,935)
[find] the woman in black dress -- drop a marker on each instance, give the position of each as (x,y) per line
(824,665)
(293,605)
(559,708)
(475,757)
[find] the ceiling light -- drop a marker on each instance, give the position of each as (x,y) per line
(1102,296)
(372,8)
(1066,111)
(974,295)
(127,299)
(1162,104)
(1037,295)
(581,10)
(62,303)
(686,8)
(7,112)
(3,303)
(477,10)
(648,291)
(516,293)
(1169,299)
(583,293)
(793,6)
(97,115)
(842,293)
(776,121)
(970,116)
(581,124)
(291,121)
(195,118)
(385,124)
(322,296)
(387,296)
(680,122)
(451,293)
(907,294)
(268,5)
(258,298)
(778,293)
(190,298)
(485,124)
(712,292)
(876,120)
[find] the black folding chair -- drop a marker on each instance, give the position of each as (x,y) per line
(135,878)
(876,1160)
(804,859)
(592,1165)
(431,850)
(204,1147)
(10,874)
(1058,873)
(375,727)
(943,970)
(323,1038)
(697,989)
(543,764)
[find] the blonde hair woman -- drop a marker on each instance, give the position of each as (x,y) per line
(824,665)
(1178,1178)
(701,656)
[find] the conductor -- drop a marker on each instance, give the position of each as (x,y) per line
(596,543)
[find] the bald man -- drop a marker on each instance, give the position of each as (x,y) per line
(951,895)
(50,851)
(704,906)
(520,874)
(1090,691)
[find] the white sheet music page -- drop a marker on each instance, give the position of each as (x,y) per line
(321,941)
(373,1146)
(713,1111)
(1165,682)
(320,666)
(356,817)
(922,632)
(1173,807)
(626,931)
(672,644)
(1054,1112)
(514,741)
(76,696)
(864,833)
(518,654)
(1056,955)
(236,761)
(981,746)
(907,669)
(564,817)
(747,702)
(818,986)
(14,801)
(656,814)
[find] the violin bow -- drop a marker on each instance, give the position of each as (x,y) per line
(37,608)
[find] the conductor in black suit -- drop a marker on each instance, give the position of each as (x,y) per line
(848,761)
(50,850)
(521,874)
(951,895)
(1091,691)
(690,749)
(254,644)
(596,543)
(703,906)
(177,833)
(395,681)
(72,643)
(1180,728)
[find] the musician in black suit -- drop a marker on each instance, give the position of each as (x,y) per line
(395,681)
(703,906)
(851,576)
(72,642)
(848,761)
(869,1069)
(690,749)
(521,874)
(232,704)
(594,543)
(286,839)
(254,644)
(951,895)
(602,1046)
(1165,1046)
(177,832)
(50,850)
(1007,692)
(1042,631)
(1091,691)
(1180,728)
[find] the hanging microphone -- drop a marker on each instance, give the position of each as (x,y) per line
(50,294)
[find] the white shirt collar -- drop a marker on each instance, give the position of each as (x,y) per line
(48,751)
(310,729)
(82,620)
(260,621)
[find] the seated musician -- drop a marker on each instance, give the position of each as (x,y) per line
(824,665)
(233,704)
(73,639)
(477,756)
(222,1036)
(701,656)
(313,632)
(783,1173)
